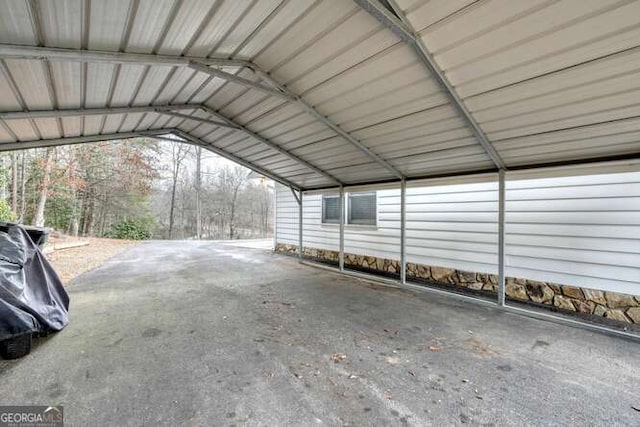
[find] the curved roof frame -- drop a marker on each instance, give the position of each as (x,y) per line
(198,64)
(392,17)
(383,107)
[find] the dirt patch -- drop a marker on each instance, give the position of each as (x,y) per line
(480,348)
(72,262)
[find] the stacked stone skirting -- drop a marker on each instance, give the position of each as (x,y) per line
(611,305)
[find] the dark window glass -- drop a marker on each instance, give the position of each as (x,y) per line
(362,208)
(331,209)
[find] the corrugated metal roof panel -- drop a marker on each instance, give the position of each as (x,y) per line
(174,85)
(545,81)
(223,21)
(8,100)
(16,24)
(71,126)
(130,122)
(244,29)
(31,80)
(350,57)
(92,124)
(274,27)
(61,22)
(112,123)
(128,79)
(108,20)
(48,128)
(98,82)
(66,87)
(5,135)
(190,89)
(184,25)
(312,25)
(23,129)
(149,119)
(153,82)
(149,22)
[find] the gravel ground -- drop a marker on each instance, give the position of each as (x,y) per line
(72,262)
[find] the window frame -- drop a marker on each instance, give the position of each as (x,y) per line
(346,210)
(373,222)
(323,218)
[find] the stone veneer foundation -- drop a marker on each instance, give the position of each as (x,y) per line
(611,305)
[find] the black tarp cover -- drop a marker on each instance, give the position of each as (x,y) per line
(32,298)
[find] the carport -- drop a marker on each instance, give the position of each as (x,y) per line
(337,95)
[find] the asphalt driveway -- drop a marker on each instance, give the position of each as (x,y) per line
(204,333)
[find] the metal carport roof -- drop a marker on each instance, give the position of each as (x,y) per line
(320,93)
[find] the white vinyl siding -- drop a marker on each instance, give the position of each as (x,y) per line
(454,226)
(315,234)
(331,209)
(286,216)
(382,241)
(582,231)
(574,230)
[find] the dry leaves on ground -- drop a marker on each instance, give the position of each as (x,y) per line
(338,357)
(72,262)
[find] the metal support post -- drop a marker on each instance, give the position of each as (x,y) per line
(403,231)
(300,227)
(501,255)
(341,260)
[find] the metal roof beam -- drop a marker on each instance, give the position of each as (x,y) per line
(271,144)
(154,133)
(167,110)
(222,124)
(40,143)
(203,68)
(229,156)
(337,129)
(42,114)
(280,91)
(401,28)
(60,54)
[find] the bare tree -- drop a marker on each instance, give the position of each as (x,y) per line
(38,216)
(14,183)
(198,193)
(179,152)
(231,180)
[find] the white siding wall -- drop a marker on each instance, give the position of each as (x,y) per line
(581,230)
(314,233)
(382,241)
(575,230)
(286,216)
(454,226)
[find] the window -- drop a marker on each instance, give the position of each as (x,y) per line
(331,209)
(362,209)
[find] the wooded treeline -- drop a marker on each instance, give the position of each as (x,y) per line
(139,188)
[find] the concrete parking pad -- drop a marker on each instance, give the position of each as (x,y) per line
(201,333)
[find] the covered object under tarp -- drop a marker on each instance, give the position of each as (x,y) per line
(32,298)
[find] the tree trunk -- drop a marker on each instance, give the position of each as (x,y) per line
(38,217)
(23,190)
(73,222)
(179,152)
(198,193)
(233,213)
(14,183)
(173,202)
